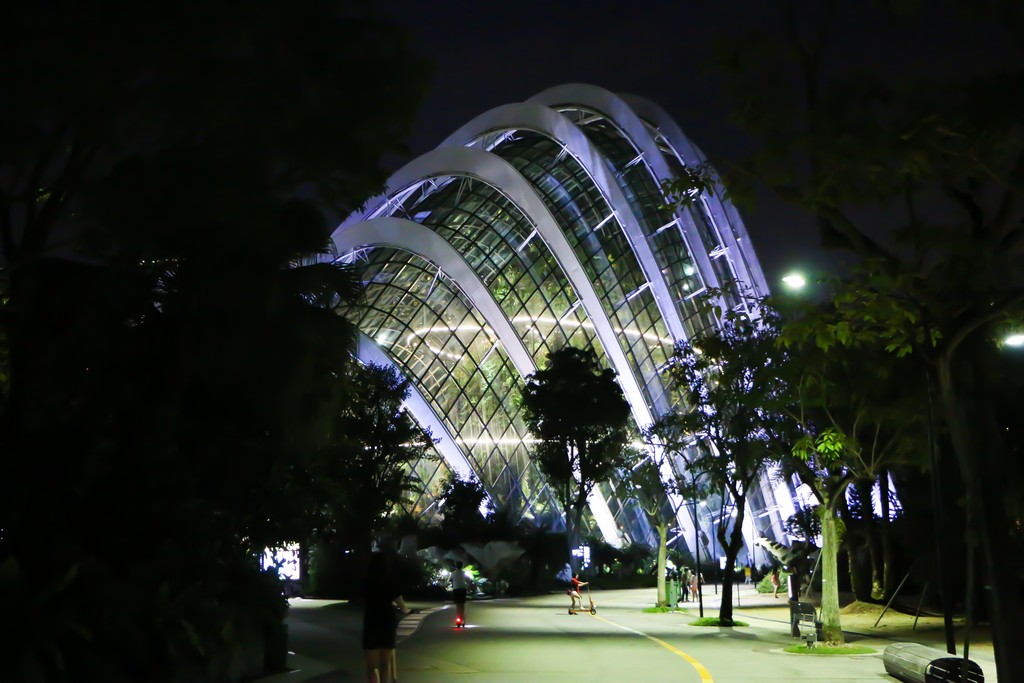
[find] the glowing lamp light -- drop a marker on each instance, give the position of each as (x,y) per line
(794,281)
(1014,340)
(285,560)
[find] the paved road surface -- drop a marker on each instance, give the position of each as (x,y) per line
(534,639)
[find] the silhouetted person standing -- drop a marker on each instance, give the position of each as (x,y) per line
(380,624)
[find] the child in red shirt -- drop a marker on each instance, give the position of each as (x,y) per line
(574,590)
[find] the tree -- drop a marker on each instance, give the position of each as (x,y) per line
(660,501)
(461,500)
(727,378)
(576,411)
(4,342)
(921,183)
(673,437)
(369,463)
(868,533)
(858,417)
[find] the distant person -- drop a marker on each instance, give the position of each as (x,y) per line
(775,582)
(747,571)
(694,585)
(458,581)
(380,623)
(574,591)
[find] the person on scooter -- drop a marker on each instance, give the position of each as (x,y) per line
(458,581)
(574,591)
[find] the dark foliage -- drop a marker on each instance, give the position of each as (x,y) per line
(172,355)
(581,420)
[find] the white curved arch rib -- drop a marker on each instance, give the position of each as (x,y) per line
(498,173)
(616,109)
(538,118)
(723,211)
(410,236)
(619,112)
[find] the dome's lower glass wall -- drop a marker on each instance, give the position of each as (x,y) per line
(434,334)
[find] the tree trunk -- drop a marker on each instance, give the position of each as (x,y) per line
(304,578)
(857,533)
(877,560)
(831,629)
(732,551)
(884,531)
(860,580)
(867,530)
(581,503)
(982,457)
(570,538)
(662,557)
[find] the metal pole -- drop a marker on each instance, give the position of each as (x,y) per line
(714,547)
(937,502)
(810,581)
(696,547)
(894,594)
(969,600)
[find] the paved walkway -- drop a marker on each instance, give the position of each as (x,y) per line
(325,635)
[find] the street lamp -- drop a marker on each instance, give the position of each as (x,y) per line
(1014,340)
(794,281)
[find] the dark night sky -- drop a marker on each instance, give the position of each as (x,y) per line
(486,54)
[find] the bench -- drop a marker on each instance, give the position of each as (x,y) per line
(807,624)
(915,663)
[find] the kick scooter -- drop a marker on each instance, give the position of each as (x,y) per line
(592,609)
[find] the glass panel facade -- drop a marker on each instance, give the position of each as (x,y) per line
(430,328)
(502,246)
(639,185)
(707,227)
(600,244)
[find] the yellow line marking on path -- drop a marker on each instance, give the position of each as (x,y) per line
(705,675)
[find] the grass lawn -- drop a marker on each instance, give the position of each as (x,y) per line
(830,650)
(715,621)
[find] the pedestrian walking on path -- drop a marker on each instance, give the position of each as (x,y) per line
(380,624)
